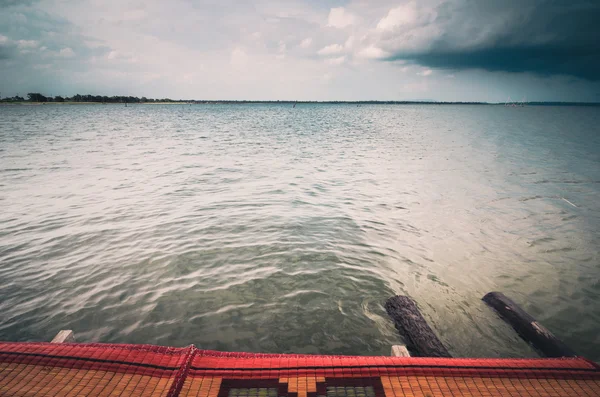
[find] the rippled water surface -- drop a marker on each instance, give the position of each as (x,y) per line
(268,228)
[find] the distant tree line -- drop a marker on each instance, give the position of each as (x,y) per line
(37,97)
(16,98)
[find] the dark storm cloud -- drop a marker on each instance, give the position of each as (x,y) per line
(49,31)
(10,3)
(541,60)
(7,48)
(544,37)
(4,53)
(31,40)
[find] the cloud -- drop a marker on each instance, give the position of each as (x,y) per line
(336,61)
(306,43)
(340,18)
(12,3)
(116,56)
(372,53)
(546,37)
(4,53)
(350,42)
(23,44)
(7,48)
(332,49)
(66,53)
(33,41)
(405,14)
(282,50)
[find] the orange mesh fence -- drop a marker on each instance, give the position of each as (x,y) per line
(45,369)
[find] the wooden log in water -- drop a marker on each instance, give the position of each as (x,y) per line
(527,327)
(409,321)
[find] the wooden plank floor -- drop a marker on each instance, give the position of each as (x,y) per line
(44,369)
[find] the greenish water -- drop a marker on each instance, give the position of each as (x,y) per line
(268,228)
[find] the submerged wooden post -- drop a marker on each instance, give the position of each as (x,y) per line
(527,327)
(409,321)
(64,336)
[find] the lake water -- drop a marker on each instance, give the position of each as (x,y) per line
(274,229)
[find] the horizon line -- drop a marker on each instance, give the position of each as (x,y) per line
(89,98)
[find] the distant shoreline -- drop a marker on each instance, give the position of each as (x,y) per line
(27,103)
(226,102)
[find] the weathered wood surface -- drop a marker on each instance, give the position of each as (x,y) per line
(400,351)
(408,320)
(527,327)
(64,336)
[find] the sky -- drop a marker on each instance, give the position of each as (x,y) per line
(455,50)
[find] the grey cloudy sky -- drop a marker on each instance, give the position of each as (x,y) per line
(303,49)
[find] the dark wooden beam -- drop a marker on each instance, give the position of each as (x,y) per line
(527,327)
(411,324)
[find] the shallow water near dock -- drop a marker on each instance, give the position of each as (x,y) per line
(267,228)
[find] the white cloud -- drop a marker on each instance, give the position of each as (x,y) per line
(372,53)
(349,44)
(3,39)
(23,44)
(307,42)
(115,55)
(336,61)
(409,28)
(281,50)
(425,72)
(405,14)
(340,18)
(332,49)
(66,52)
